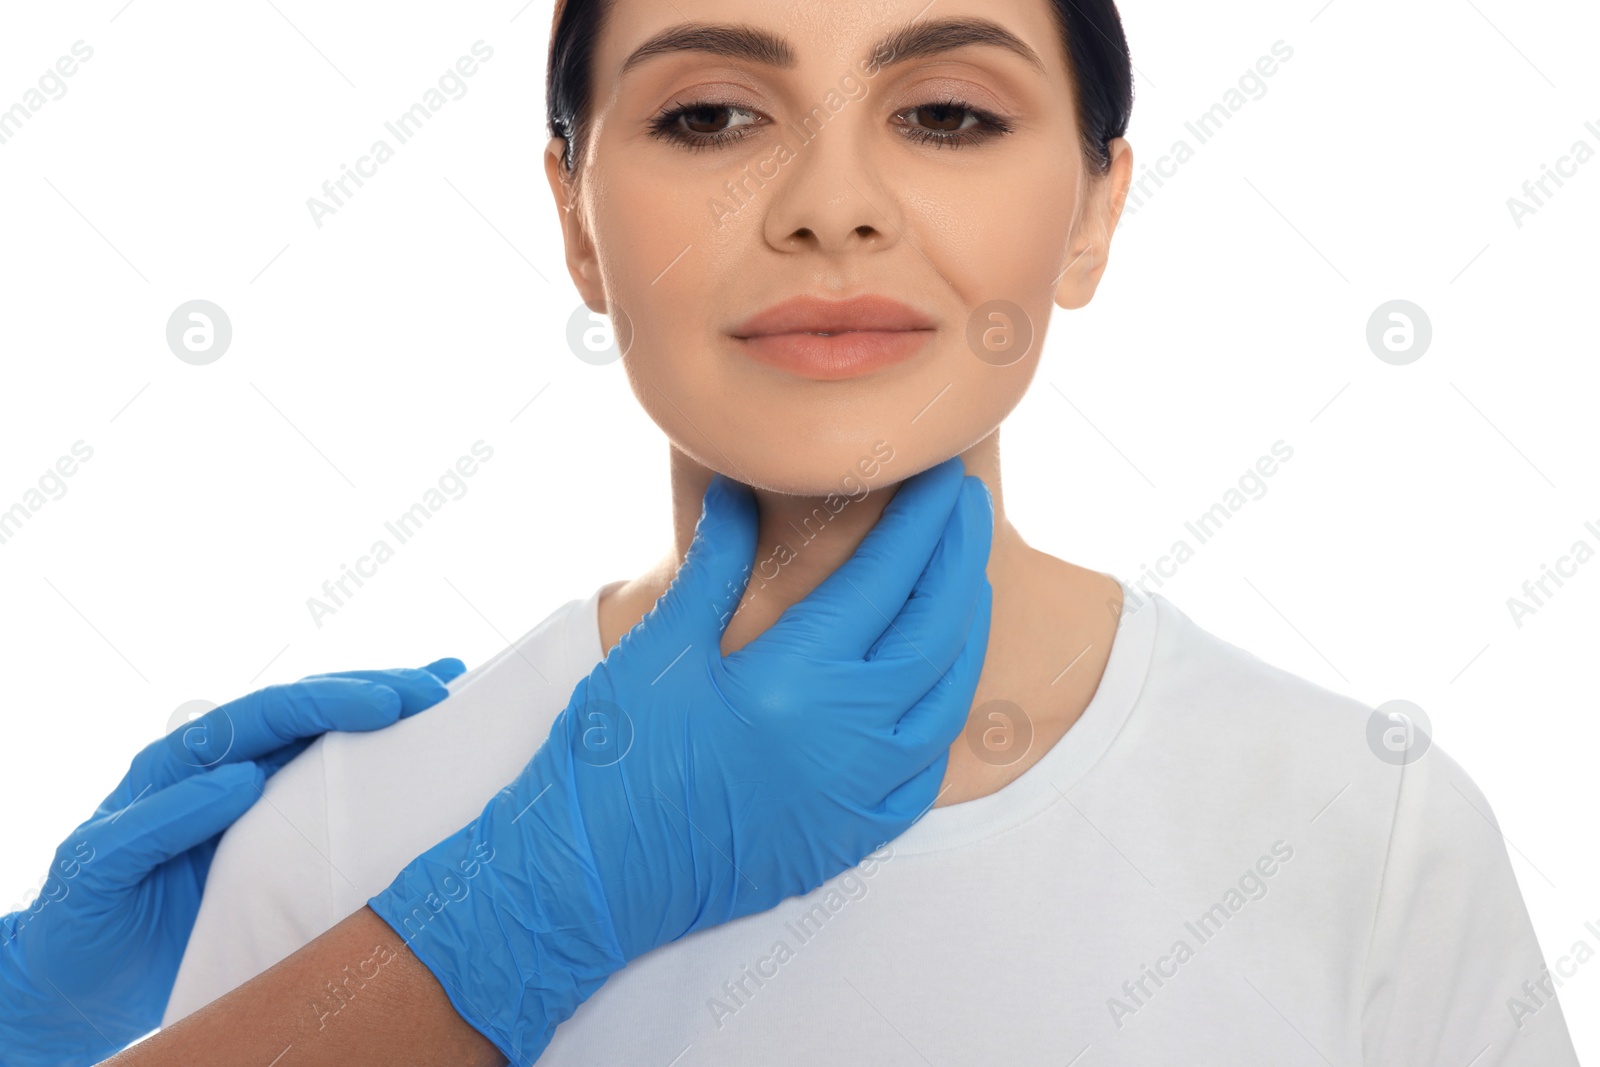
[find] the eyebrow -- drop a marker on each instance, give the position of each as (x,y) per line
(914,41)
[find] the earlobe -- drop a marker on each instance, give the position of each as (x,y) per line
(1078,281)
(1085,261)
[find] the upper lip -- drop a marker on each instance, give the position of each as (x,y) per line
(810,314)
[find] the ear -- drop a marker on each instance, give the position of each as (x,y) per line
(1101,207)
(582,263)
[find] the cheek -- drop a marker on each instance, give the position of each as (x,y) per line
(652,239)
(646,233)
(671,268)
(1001,241)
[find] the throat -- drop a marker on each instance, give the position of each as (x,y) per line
(1051,631)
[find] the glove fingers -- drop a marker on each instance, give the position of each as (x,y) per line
(446,670)
(260,723)
(934,723)
(130,843)
(419,688)
(263,722)
(853,606)
(912,799)
(703,595)
(932,627)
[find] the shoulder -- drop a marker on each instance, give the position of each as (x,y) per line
(338,822)
(1395,863)
(267,890)
(1244,712)
(393,793)
(1252,745)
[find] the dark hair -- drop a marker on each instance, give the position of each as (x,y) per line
(1097,52)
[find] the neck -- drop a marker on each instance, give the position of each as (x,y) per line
(1051,624)
(803,539)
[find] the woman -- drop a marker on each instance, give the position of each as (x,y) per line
(1150,846)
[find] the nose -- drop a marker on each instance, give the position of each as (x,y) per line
(831,193)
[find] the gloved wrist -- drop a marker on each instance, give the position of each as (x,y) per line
(753,777)
(508,912)
(40,1028)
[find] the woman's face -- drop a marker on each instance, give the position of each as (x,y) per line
(774,155)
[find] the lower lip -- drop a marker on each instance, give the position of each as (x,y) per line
(843,355)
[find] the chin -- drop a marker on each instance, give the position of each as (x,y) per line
(801,437)
(819,469)
(838,469)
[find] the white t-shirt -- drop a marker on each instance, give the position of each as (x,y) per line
(1211,866)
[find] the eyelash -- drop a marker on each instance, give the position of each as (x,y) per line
(664,125)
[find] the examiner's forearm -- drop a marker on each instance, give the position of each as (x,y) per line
(320,1003)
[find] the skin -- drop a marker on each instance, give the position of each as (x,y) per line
(284,1016)
(861,208)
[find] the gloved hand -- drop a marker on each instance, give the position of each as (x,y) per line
(88,967)
(680,788)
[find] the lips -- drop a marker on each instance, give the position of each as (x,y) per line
(829,340)
(813,315)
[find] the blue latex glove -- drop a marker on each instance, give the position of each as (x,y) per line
(88,967)
(681,788)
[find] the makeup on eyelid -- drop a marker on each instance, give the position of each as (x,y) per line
(986,124)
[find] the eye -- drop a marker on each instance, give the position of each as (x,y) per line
(946,124)
(704,124)
(701,124)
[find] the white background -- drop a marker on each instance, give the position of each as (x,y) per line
(430,312)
